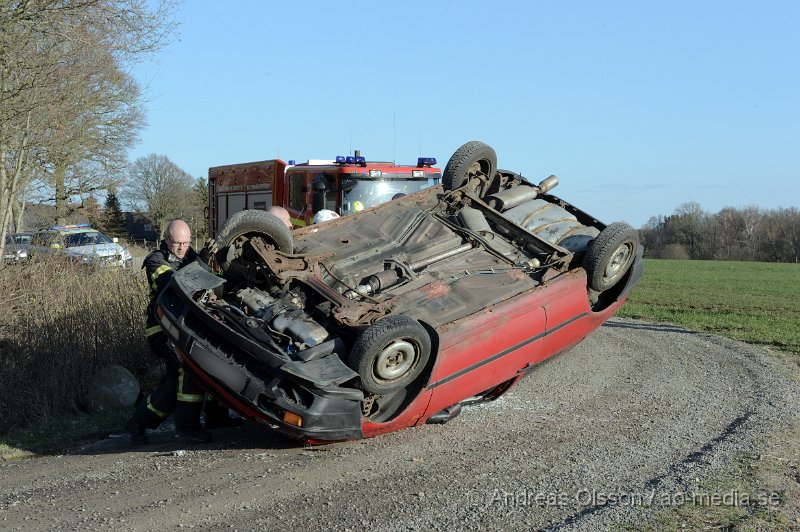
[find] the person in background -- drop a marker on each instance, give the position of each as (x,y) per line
(176,393)
(324,215)
(282,214)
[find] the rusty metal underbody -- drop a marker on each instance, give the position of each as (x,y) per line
(437,272)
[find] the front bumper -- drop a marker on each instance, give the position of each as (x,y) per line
(303,399)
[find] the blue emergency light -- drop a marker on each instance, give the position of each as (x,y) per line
(291,162)
(426,161)
(73,226)
(341,159)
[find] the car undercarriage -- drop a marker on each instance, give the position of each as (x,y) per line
(341,326)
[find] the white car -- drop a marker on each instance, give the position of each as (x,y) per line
(83,244)
(16,250)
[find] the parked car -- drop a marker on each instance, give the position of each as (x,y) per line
(81,243)
(16,248)
(397,315)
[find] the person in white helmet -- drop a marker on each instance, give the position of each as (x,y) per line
(324,215)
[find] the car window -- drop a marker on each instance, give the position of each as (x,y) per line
(22,239)
(297,198)
(40,239)
(88,238)
(364,193)
(51,240)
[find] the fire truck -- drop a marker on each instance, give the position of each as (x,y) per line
(344,185)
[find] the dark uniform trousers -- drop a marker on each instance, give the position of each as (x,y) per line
(176,393)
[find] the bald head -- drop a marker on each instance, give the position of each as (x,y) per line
(178,237)
(282,214)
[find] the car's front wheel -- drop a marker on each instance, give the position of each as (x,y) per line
(390,354)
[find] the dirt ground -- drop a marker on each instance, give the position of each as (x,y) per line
(642,425)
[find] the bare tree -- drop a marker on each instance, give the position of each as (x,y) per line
(748,233)
(752,218)
(66,100)
(160,188)
(197,213)
(99,117)
(793,232)
(687,225)
(730,226)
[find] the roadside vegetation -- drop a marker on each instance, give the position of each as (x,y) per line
(756,302)
(60,323)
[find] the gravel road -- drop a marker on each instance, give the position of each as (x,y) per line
(610,433)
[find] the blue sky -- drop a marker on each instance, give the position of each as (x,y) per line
(636,106)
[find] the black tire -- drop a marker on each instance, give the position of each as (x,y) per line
(390,354)
(262,223)
(610,256)
(469,160)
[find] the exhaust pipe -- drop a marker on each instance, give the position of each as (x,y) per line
(511,197)
(548,184)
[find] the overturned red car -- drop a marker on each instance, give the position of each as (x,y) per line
(397,315)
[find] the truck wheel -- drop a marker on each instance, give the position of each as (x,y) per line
(260,223)
(610,256)
(473,159)
(390,354)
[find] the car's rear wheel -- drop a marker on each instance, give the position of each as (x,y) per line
(610,256)
(474,163)
(390,354)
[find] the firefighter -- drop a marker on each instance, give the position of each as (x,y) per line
(324,215)
(176,393)
(282,214)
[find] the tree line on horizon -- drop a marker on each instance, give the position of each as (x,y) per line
(739,234)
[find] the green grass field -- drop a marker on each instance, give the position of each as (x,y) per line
(752,301)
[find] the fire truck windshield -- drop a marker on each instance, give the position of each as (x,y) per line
(360,194)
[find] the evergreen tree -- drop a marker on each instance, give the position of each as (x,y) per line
(114,220)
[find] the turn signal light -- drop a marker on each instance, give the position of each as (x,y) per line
(292,419)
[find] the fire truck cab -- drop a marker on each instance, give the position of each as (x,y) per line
(344,185)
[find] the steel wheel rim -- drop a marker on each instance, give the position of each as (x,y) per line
(395,360)
(619,261)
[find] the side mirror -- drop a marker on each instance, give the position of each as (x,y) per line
(349,184)
(318,200)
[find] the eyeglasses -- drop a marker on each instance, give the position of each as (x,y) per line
(179,244)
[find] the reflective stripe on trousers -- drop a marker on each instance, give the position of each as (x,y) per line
(187,397)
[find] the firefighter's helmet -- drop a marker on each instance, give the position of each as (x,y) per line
(324,215)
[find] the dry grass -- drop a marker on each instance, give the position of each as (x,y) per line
(59,323)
